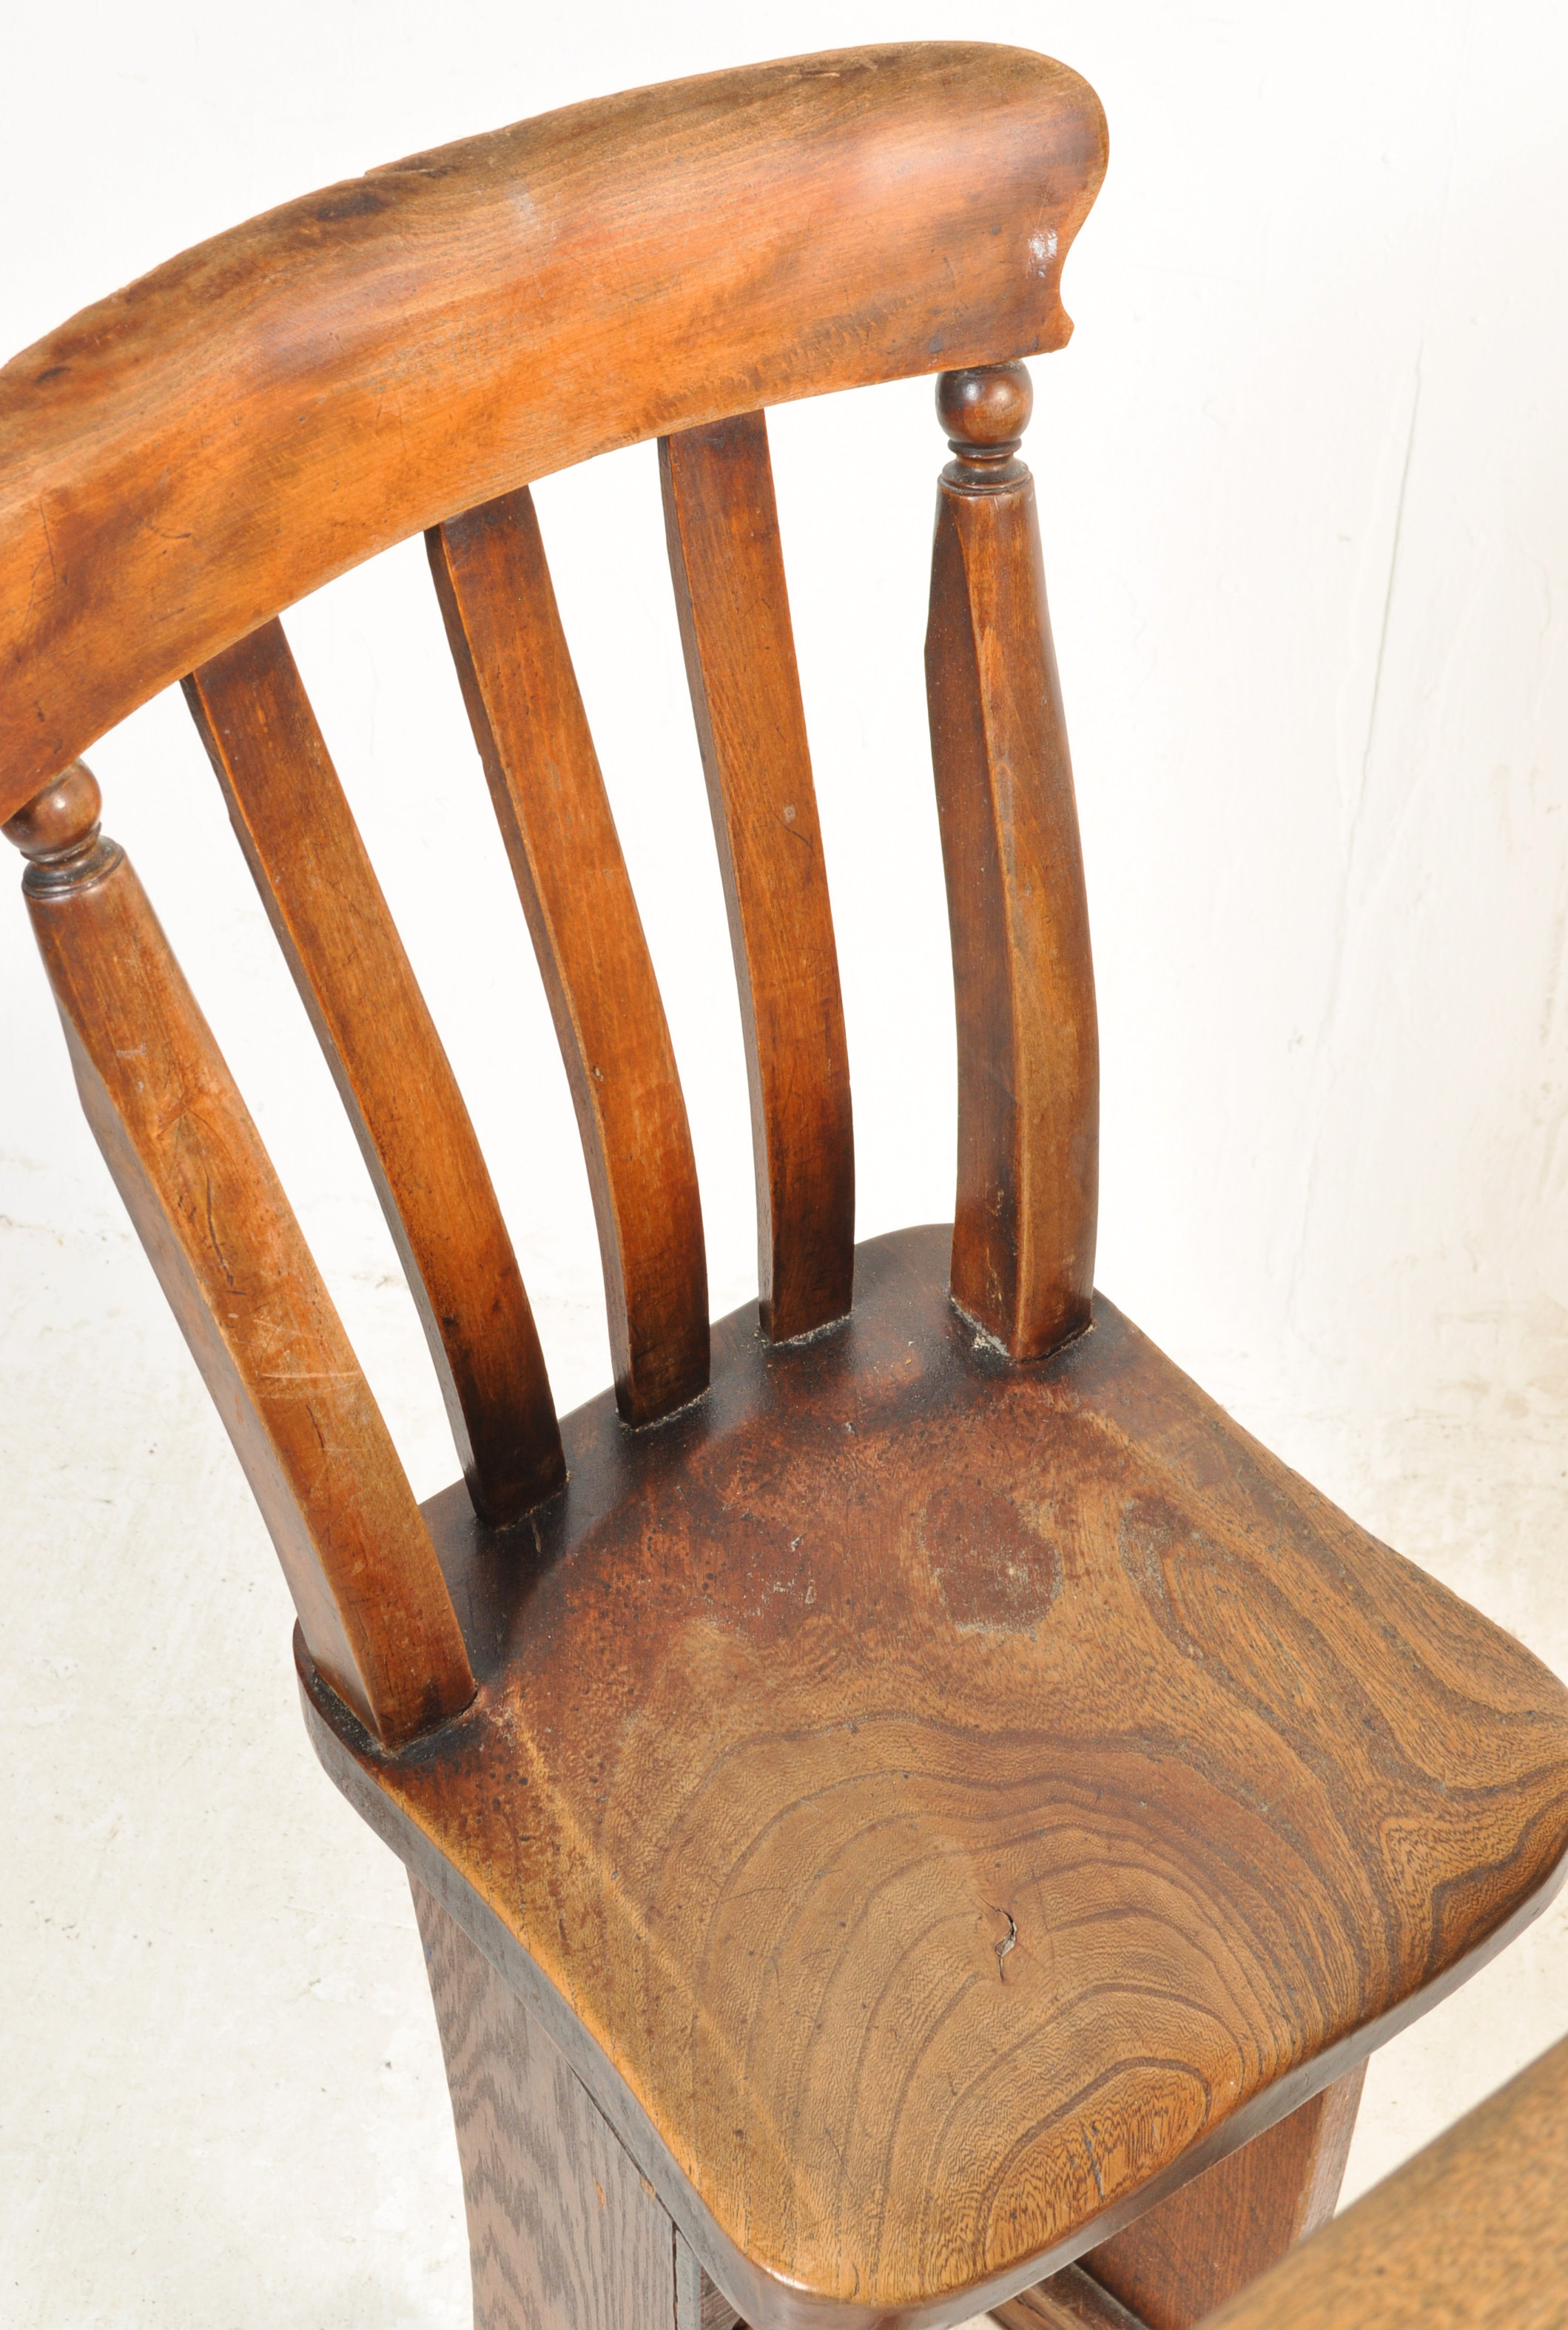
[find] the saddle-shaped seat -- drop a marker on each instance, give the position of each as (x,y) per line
(928,1800)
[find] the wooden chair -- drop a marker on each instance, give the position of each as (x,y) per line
(903,1785)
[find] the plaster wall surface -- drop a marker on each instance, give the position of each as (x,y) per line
(1304,481)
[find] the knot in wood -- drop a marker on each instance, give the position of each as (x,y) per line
(57,831)
(985,409)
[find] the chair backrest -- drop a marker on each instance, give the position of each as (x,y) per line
(405,353)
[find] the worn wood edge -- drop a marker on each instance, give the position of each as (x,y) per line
(1189,2255)
(762,2299)
(269,313)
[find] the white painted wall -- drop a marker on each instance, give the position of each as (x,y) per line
(1303,474)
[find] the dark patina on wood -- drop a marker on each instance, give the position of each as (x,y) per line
(726,562)
(946,1792)
(794,1714)
(1024,1233)
(327,908)
(594,277)
(210,1210)
(515,669)
(1178,2261)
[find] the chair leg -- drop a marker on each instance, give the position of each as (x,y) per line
(1216,2234)
(564,2231)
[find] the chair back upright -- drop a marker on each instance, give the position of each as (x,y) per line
(406,353)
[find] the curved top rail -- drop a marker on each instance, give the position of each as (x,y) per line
(184,460)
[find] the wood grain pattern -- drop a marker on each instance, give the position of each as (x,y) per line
(1023,1235)
(532,732)
(188,457)
(201,1190)
(1176,2263)
(698,2304)
(727,561)
(1472,2234)
(716,2312)
(1070,2300)
(563,2233)
(338,938)
(957,1801)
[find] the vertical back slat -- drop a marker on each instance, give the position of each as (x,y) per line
(727,565)
(532,732)
(339,939)
(374,1606)
(1023,1236)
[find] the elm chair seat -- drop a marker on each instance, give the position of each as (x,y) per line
(927,1800)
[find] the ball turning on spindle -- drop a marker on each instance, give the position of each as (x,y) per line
(985,409)
(62,820)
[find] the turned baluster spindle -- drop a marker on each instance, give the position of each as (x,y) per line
(1028,1054)
(374,1607)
